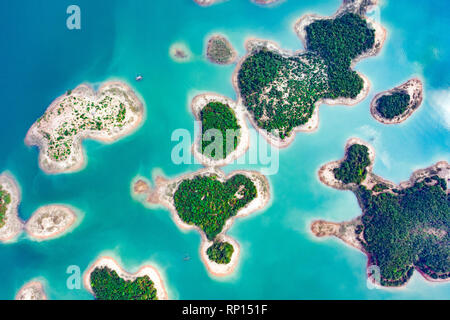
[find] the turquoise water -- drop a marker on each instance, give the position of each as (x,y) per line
(280,259)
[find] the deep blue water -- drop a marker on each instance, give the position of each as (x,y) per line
(280,259)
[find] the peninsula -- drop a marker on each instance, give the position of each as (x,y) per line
(106,115)
(10,224)
(208,201)
(33,290)
(106,280)
(224,135)
(282,90)
(397,104)
(219,50)
(50,222)
(402,227)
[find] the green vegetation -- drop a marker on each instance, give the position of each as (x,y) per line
(207,203)
(76,114)
(5,200)
(216,115)
(401,229)
(220,252)
(392,105)
(339,41)
(281,92)
(219,50)
(353,167)
(407,230)
(379,187)
(107,285)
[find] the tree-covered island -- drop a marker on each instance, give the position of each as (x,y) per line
(223,134)
(208,201)
(397,104)
(219,50)
(402,227)
(282,91)
(106,280)
(219,116)
(220,252)
(107,285)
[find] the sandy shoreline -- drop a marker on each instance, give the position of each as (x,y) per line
(346,230)
(299,28)
(13,225)
(53,118)
(326,174)
(162,194)
(413,87)
(197,104)
(33,290)
(50,221)
(112,264)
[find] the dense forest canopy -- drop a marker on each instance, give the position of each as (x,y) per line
(216,115)
(5,200)
(207,203)
(107,285)
(353,167)
(220,252)
(408,229)
(280,92)
(392,105)
(338,41)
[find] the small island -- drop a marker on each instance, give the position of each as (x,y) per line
(33,290)
(282,90)
(106,280)
(10,224)
(219,50)
(180,52)
(50,222)
(402,227)
(224,134)
(209,201)
(106,115)
(397,104)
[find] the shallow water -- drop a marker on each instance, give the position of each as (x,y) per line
(42,59)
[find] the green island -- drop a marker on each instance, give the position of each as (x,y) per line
(353,168)
(338,41)
(5,200)
(393,105)
(220,252)
(208,203)
(220,50)
(407,229)
(107,285)
(281,92)
(401,228)
(216,115)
